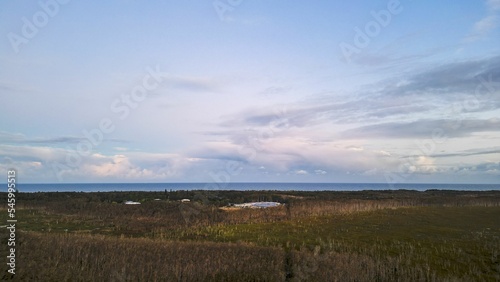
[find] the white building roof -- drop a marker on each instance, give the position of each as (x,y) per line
(258,205)
(131,203)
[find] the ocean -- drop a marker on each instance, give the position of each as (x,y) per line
(108,187)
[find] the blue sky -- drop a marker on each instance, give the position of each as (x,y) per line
(238,91)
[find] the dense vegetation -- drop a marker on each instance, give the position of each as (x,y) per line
(314,236)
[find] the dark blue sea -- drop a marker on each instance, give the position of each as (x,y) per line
(107,187)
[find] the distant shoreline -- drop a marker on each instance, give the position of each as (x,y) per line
(155,187)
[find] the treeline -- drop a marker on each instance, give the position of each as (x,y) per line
(225,197)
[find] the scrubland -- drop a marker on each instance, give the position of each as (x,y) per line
(314,236)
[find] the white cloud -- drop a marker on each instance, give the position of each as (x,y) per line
(301,172)
(118,166)
(37,163)
(423,164)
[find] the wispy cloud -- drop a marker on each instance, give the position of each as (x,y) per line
(10,88)
(485,25)
(424,128)
(425,91)
(485,168)
(450,78)
(17,138)
(190,83)
(297,137)
(467,153)
(298,155)
(7,137)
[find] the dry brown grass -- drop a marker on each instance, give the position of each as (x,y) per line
(57,257)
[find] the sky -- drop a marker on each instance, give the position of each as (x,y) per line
(250,91)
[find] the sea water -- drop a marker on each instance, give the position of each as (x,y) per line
(107,187)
